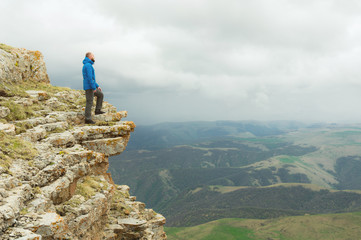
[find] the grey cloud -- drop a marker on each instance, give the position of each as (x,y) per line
(202,60)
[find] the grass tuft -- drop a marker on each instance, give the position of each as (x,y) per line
(20,112)
(12,147)
(89,186)
(6,48)
(104,123)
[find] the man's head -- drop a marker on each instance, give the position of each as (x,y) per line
(90,56)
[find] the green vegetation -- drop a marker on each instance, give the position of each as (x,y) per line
(21,127)
(211,203)
(169,166)
(103,123)
(75,201)
(36,190)
(20,89)
(167,135)
(348,171)
(270,142)
(19,111)
(57,130)
(24,211)
(118,205)
(5,47)
(12,147)
(222,229)
(293,160)
(218,162)
(312,227)
(89,186)
(289,159)
(344,134)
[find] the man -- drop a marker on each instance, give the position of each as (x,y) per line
(91,88)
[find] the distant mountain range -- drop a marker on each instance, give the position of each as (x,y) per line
(183,169)
(166,135)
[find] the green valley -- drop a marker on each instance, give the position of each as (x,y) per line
(210,203)
(311,227)
(197,172)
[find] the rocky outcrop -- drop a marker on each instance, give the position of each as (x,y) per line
(53,168)
(19,64)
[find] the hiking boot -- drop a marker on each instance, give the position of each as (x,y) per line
(89,121)
(97,112)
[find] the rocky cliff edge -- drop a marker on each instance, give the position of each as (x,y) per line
(53,168)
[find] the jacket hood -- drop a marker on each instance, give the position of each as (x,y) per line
(87,60)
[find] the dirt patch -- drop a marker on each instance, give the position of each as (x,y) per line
(4,94)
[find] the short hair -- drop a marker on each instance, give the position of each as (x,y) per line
(88,54)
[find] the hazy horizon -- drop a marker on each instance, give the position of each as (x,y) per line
(257,122)
(178,61)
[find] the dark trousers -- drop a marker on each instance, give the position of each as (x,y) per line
(89,94)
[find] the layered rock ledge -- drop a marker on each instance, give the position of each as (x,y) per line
(53,168)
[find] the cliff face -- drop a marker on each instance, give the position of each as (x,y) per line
(53,169)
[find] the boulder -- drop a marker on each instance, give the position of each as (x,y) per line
(39,95)
(4,111)
(34,134)
(108,146)
(7,128)
(64,139)
(19,64)
(51,226)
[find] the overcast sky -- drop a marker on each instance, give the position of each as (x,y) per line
(168,60)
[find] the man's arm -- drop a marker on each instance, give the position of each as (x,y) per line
(96,84)
(89,74)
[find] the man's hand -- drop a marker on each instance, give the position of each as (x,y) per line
(97,89)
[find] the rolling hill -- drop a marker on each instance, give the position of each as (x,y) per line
(164,163)
(312,227)
(209,203)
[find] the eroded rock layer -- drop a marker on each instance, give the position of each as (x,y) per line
(53,168)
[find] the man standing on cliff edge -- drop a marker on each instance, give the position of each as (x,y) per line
(91,88)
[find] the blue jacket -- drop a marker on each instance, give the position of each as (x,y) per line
(88,75)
